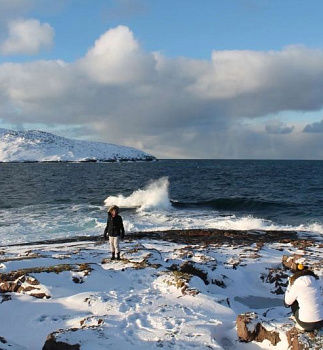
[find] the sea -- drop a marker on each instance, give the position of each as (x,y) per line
(49,201)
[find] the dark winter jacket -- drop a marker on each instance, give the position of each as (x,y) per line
(114,227)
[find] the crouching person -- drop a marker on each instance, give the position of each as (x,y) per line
(115,231)
(304,297)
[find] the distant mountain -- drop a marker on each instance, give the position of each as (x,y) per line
(39,146)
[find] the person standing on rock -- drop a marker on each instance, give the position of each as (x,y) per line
(304,297)
(115,231)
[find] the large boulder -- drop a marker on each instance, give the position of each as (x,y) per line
(52,343)
(250,328)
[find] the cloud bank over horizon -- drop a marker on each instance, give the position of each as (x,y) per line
(224,107)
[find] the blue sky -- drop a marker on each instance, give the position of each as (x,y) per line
(189,28)
(177,78)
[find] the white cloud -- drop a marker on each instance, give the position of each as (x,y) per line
(117,58)
(258,83)
(27,37)
(171,107)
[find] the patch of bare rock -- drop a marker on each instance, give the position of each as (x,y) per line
(251,327)
(52,343)
(18,282)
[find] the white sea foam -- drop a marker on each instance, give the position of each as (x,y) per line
(45,222)
(252,223)
(153,197)
(194,219)
(153,212)
(56,222)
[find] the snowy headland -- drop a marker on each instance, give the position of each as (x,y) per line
(185,289)
(40,146)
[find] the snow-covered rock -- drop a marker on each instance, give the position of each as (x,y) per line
(39,146)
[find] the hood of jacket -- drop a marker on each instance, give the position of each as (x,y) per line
(115,207)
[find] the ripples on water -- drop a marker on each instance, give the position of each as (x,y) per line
(49,200)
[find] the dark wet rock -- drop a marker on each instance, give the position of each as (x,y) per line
(84,267)
(231,237)
(77,280)
(195,236)
(250,328)
(52,343)
(219,283)
(225,302)
(189,268)
(279,279)
(303,243)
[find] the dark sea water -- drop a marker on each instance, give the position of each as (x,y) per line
(49,200)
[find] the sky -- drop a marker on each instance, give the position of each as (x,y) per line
(216,79)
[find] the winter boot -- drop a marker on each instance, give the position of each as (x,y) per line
(113,257)
(118,256)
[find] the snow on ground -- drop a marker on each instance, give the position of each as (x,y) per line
(143,301)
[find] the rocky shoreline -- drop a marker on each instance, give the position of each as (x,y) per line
(167,288)
(215,236)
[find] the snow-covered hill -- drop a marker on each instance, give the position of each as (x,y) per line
(39,146)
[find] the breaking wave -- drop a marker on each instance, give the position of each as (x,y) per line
(154,196)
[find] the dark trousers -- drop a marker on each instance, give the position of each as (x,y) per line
(308,326)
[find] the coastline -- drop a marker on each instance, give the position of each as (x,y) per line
(218,236)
